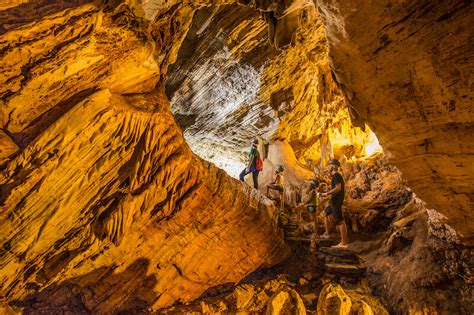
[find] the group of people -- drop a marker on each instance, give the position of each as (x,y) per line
(332,213)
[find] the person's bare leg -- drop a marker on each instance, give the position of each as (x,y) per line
(343,230)
(315,224)
(282,199)
(326,226)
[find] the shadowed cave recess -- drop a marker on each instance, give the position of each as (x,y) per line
(125,125)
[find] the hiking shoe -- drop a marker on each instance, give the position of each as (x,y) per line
(340,245)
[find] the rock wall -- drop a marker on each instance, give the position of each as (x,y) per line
(229,84)
(104,207)
(214,84)
(405,69)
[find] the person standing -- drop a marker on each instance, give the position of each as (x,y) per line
(254,155)
(335,206)
(312,204)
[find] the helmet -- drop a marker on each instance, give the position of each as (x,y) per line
(280,168)
(335,162)
(254,141)
(314,182)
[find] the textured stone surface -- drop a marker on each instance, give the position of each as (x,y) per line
(229,85)
(333,299)
(7,147)
(119,190)
(406,70)
(420,265)
(65,56)
(104,207)
(214,84)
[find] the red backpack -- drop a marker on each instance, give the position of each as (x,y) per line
(259,164)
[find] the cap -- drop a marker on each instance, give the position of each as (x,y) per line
(314,182)
(335,162)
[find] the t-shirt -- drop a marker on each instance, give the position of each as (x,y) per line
(255,154)
(312,198)
(337,198)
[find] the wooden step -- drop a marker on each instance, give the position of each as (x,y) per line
(307,239)
(327,242)
(338,260)
(298,239)
(339,252)
(344,269)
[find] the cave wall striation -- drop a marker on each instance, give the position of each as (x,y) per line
(104,206)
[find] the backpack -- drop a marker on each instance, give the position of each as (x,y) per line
(259,164)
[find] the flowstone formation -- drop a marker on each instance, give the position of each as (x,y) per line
(104,206)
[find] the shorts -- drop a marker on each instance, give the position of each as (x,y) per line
(311,209)
(336,212)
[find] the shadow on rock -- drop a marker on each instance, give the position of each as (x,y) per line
(101,291)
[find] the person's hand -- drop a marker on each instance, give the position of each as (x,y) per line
(247,169)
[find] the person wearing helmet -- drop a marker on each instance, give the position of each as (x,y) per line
(277,183)
(335,206)
(252,164)
(310,202)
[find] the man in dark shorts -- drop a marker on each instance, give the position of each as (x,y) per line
(335,206)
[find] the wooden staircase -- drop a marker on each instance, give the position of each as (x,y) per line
(337,262)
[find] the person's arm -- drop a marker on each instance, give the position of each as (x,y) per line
(336,189)
(250,161)
(275,180)
(309,196)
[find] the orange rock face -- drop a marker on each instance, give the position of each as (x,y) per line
(104,207)
(111,189)
(406,70)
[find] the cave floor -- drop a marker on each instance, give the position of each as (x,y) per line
(305,272)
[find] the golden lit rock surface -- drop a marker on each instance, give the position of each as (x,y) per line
(333,299)
(104,207)
(7,147)
(118,195)
(285,302)
(64,57)
(406,70)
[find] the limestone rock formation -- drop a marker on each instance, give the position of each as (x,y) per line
(335,300)
(118,194)
(406,70)
(413,259)
(214,84)
(104,206)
